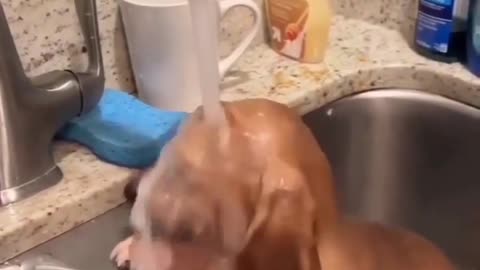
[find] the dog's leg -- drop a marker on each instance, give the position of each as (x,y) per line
(131,188)
(121,252)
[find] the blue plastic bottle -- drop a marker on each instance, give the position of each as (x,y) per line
(473,38)
(441,29)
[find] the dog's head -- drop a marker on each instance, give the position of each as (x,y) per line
(200,194)
(219,190)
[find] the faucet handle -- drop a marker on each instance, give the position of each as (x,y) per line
(92,81)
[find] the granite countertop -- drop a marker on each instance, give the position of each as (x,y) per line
(361,56)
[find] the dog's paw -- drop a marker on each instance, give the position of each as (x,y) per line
(121,253)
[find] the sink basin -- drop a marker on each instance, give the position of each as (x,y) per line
(400,157)
(408,158)
(88,246)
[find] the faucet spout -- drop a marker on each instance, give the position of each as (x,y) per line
(10,65)
(32,110)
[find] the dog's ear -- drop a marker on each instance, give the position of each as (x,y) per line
(284,238)
(281,235)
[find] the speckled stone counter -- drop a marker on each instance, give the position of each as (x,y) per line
(362,55)
(89,188)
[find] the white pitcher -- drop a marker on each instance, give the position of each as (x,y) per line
(160,43)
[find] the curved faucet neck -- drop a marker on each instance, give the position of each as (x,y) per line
(33,110)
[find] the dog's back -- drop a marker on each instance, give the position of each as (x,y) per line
(370,246)
(298,199)
(306,210)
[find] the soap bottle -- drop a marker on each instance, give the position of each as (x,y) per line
(473,38)
(299,29)
(440,32)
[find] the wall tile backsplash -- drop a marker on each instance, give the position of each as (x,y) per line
(47,33)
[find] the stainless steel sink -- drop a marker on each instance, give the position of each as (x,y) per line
(88,246)
(408,158)
(400,157)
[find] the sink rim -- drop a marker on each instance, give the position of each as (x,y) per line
(399,92)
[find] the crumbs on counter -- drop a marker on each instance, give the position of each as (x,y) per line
(363,58)
(315,75)
(282,80)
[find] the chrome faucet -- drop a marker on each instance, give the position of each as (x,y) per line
(32,110)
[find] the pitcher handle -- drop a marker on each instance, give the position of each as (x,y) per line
(225,5)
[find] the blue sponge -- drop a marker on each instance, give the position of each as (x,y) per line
(123,130)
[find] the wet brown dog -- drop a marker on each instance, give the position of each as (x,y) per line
(256,193)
